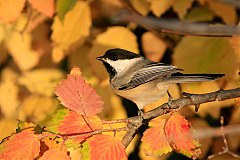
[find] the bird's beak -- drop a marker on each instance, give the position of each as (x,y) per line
(100,58)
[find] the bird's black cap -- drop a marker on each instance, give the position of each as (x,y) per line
(117,53)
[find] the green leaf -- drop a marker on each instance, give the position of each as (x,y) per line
(205,55)
(200,14)
(181,7)
(85,151)
(63,7)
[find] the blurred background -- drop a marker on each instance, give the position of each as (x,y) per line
(40,41)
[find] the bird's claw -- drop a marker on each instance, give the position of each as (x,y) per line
(170,98)
(140,113)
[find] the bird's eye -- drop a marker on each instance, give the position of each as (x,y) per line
(114,58)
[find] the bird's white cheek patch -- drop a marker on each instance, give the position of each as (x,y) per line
(122,65)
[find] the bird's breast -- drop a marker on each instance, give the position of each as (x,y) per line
(144,94)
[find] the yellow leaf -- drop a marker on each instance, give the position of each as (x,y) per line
(41,81)
(199,14)
(2,33)
(8,93)
(123,38)
(114,37)
(142,6)
(226,12)
(37,108)
(159,7)
(235,42)
(19,46)
(181,7)
(46,7)
(205,55)
(76,26)
(10,10)
(57,54)
(118,110)
(142,154)
(153,46)
(7,127)
(74,154)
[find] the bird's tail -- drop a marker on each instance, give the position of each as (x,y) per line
(185,78)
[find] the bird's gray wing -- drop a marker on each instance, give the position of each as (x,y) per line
(150,72)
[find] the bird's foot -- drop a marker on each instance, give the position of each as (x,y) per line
(169,107)
(140,113)
(170,99)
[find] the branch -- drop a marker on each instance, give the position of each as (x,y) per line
(193,99)
(178,27)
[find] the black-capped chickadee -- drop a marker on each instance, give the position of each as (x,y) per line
(142,80)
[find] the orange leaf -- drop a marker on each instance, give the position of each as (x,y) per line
(103,147)
(24,145)
(69,122)
(46,7)
(51,143)
(55,154)
(75,94)
(75,123)
(154,139)
(10,10)
(177,130)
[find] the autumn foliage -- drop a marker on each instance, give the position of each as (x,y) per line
(75,126)
(55,99)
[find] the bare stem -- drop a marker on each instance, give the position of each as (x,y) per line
(226,146)
(74,135)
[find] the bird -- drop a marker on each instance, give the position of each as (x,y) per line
(141,80)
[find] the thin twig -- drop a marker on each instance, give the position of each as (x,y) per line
(74,135)
(28,21)
(226,146)
(115,121)
(35,22)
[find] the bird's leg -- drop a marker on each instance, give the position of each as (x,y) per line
(140,112)
(170,98)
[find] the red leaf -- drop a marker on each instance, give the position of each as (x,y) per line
(69,122)
(103,147)
(75,94)
(154,139)
(24,145)
(55,154)
(177,130)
